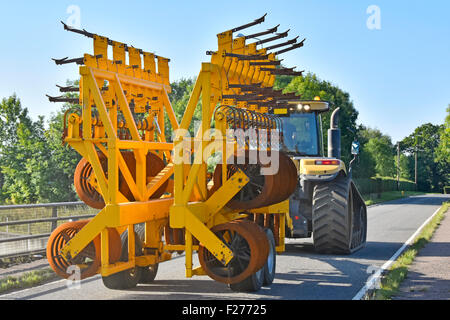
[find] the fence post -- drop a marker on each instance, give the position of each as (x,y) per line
(54,215)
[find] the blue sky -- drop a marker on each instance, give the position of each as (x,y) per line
(398,77)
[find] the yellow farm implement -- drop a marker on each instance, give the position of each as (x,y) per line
(157,197)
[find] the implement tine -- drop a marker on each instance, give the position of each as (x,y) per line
(295,46)
(266,63)
(68,89)
(246,57)
(274,29)
(278,36)
(292,41)
(91,35)
(72,29)
(66,60)
(248,25)
(63,99)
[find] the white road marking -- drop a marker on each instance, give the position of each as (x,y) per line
(373,280)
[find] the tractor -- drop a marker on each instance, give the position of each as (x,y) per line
(326,203)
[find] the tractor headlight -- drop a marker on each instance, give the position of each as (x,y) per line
(307,107)
(299,107)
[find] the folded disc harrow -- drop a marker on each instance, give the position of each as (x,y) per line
(139,180)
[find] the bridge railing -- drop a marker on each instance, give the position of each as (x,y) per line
(24,229)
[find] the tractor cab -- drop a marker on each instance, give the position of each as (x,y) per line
(302,127)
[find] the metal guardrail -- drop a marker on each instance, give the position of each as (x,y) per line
(39,221)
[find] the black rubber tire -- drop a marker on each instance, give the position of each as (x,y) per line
(126,279)
(263,276)
(251,284)
(331,217)
(147,274)
(359,224)
(270,266)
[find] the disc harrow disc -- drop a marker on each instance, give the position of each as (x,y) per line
(87,193)
(84,174)
(261,190)
(89,259)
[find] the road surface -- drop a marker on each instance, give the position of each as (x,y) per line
(301,274)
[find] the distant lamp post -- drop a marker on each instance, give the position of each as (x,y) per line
(416,151)
(415,167)
(398,166)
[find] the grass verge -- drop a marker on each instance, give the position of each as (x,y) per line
(391,195)
(26,280)
(391,281)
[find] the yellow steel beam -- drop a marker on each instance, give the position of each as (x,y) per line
(98,170)
(90,84)
(129,80)
(159,180)
(113,216)
(85,235)
(138,212)
(200,231)
(124,107)
(125,172)
(225,193)
(144,145)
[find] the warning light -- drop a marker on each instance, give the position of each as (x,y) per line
(327,162)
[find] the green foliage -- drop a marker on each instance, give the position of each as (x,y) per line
(382,152)
(379,185)
(378,152)
(432,171)
(26,280)
(179,98)
(22,145)
(282,82)
(34,165)
(406,167)
(442,152)
(63,161)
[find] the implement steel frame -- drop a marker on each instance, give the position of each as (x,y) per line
(188,204)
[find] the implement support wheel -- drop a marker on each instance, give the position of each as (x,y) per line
(88,260)
(250,248)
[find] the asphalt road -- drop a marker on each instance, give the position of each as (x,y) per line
(301,274)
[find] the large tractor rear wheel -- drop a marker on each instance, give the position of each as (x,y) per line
(339,218)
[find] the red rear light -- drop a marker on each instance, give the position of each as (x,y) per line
(327,162)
